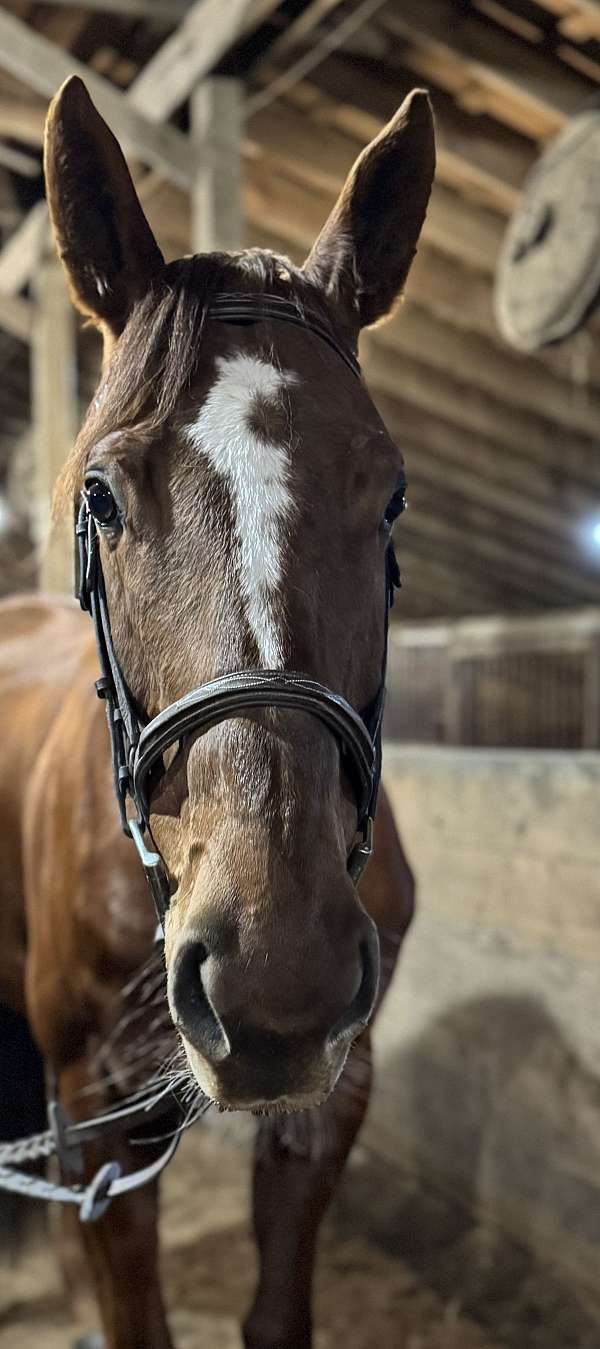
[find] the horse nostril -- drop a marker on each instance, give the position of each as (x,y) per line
(357,1015)
(195,1016)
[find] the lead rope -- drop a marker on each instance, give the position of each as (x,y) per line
(63,1140)
(92,1199)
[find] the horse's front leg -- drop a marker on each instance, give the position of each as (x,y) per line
(299,1159)
(122,1246)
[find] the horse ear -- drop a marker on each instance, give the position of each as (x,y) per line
(104,240)
(363,253)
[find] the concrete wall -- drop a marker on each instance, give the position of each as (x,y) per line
(488,1047)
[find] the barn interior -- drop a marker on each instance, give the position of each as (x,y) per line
(470,1216)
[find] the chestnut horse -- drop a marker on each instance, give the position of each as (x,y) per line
(243,489)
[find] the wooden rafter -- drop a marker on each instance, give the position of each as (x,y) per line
(490,169)
(546,488)
(22,120)
(579,20)
(43,66)
(196,47)
(18,162)
(134,115)
(273,195)
(352,97)
(463,405)
(486,70)
(500,449)
(302,26)
(414,333)
(23,251)
(168,11)
(55,416)
(548,531)
(469,542)
(17,316)
(492,368)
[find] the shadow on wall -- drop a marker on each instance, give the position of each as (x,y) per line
(491,1125)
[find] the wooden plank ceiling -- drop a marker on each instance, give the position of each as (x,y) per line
(502,454)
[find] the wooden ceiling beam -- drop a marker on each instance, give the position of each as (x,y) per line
(429,587)
(578,20)
(525,384)
(454,580)
(22,252)
(464,298)
(278,200)
(548,494)
(413,332)
(486,69)
(354,96)
(459,497)
(22,121)
(480,508)
(166,80)
(459,403)
(301,27)
(425,464)
(43,66)
(454,543)
(17,316)
(169,12)
(200,42)
(468,578)
(15,161)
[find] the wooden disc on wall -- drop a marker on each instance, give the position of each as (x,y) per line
(548,277)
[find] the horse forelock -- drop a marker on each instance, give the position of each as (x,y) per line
(153,365)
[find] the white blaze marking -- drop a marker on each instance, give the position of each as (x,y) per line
(257,473)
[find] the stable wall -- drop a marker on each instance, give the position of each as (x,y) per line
(488,1047)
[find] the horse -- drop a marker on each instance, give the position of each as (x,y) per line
(238,491)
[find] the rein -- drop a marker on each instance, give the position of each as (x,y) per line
(137,749)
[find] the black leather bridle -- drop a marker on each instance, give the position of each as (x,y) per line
(138,746)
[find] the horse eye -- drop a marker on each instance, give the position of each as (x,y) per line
(101,501)
(396,506)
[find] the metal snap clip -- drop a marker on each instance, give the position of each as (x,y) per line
(96,1198)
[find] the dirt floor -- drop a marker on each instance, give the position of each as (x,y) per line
(366,1298)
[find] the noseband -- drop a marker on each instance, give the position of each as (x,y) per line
(138,746)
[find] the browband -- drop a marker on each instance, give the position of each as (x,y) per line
(231,307)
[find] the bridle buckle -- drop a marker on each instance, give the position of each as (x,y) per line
(361,852)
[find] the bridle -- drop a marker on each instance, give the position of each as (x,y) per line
(138,745)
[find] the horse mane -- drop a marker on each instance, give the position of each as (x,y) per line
(157,355)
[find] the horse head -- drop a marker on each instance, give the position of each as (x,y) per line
(244,488)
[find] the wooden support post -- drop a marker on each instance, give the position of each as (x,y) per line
(590,731)
(216,120)
(55,419)
(453,698)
